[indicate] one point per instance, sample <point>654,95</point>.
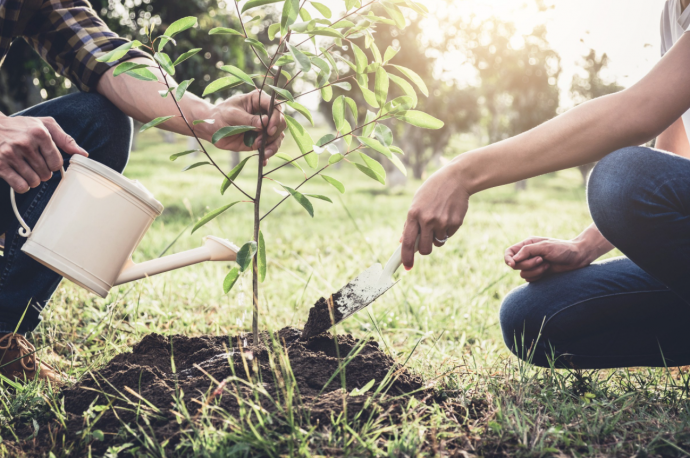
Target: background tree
<point>591,86</point>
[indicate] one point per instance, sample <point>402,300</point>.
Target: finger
<point>274,147</point>
<point>426,240</point>
<point>409,240</point>
<point>62,139</point>
<point>27,173</point>
<point>535,274</point>
<point>277,125</point>
<point>44,146</point>
<point>529,264</point>
<point>38,164</point>
<point>15,181</point>
<point>530,251</point>
<point>437,237</point>
<point>513,250</point>
<point>261,101</point>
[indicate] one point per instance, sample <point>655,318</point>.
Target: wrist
<point>592,244</point>
<point>199,109</point>
<point>463,167</point>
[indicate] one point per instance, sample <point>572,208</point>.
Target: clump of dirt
<point>158,367</point>
<point>322,316</point>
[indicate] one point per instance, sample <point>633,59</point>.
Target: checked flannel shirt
<point>68,34</point>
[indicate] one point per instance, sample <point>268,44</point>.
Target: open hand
<point>29,150</point>
<point>240,110</point>
<point>537,257</point>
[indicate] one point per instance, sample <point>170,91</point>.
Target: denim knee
<point>112,131</point>
<point>617,188</point>
<point>520,329</point>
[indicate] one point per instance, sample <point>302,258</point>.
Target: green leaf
<point>325,32</point>
<point>245,255</point>
<point>390,53</point>
<point>335,158</point>
<point>261,260</point>
<point>347,128</point>
<point>415,78</point>
<point>119,52</point>
<point>284,60</point>
<point>204,121</point>
<point>361,60</point>
<point>375,167</point>
<point>273,31</point>
<point>289,16</point>
<point>323,9</point>
<point>127,66</point>
<point>395,14</point>
<point>300,57</point>
<point>183,153</point>
<point>406,88</point>
<point>335,183</point>
<point>221,83</point>
<point>339,112</point>
<point>98,435</point>
<point>349,4</point>
<point>375,145</point>
<point>143,74</point>
<point>254,3</point>
<point>301,109</point>
<point>258,46</point>
<point>182,88</point>
<point>231,279</point>
<point>228,131</point>
<point>369,124</point>
<point>165,93</point>
<point>381,86</point>
<point>398,163</point>
<point>155,122</point>
<point>224,31</point>
<point>320,197</point>
<point>284,93</point>
<point>420,119</point>
<point>238,73</point>
<point>186,56</point>
<point>345,86</point>
<point>164,60</point>
<point>353,108</point>
<point>327,93</point>
<point>369,96</point>
<point>212,215</point>
<point>299,197</point>
<point>370,173</point>
<point>325,72</point>
<point>384,135</point>
<point>195,165</point>
<point>180,25</point>
<point>287,158</point>
<point>303,140</point>
<point>397,150</point>
<point>234,173</point>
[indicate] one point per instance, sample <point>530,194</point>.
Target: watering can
<point>93,223</point>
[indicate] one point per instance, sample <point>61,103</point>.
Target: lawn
<point>440,321</point>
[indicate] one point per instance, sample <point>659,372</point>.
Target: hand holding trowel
<point>354,296</point>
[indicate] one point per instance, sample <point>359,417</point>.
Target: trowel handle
<point>395,262</point>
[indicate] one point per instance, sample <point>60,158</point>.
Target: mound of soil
<point>201,363</point>
<point>322,316</point>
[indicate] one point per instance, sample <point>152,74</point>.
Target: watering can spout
<point>214,249</point>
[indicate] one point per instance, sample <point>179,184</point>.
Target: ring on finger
<point>441,241</point>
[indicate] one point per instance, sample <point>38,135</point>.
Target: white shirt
<point>673,25</point>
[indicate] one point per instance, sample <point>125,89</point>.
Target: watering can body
<point>94,222</point>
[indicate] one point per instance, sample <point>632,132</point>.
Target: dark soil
<point>148,371</point>
<point>320,319</point>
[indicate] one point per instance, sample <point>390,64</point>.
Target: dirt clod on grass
<point>145,380</point>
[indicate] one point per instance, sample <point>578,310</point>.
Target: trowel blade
<point>360,292</point>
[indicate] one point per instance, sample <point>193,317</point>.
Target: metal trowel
<point>353,297</point>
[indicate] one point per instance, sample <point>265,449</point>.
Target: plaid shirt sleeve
<point>69,35</point>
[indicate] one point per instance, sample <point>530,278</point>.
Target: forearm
<point>588,132</point>
<point>593,243</point>
<point>141,100</point>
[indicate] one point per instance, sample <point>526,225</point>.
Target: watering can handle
<point>25,230</point>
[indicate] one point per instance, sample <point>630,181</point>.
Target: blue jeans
<point>630,311</point>
<point>106,133</point>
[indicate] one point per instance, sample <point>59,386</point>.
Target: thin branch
<point>256,53</point>
<point>319,88</point>
<point>327,143</point>
<point>201,145</point>
<point>307,179</point>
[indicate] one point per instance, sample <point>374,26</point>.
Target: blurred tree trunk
<point>234,159</point>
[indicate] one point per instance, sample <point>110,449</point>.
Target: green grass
<point>444,313</point>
